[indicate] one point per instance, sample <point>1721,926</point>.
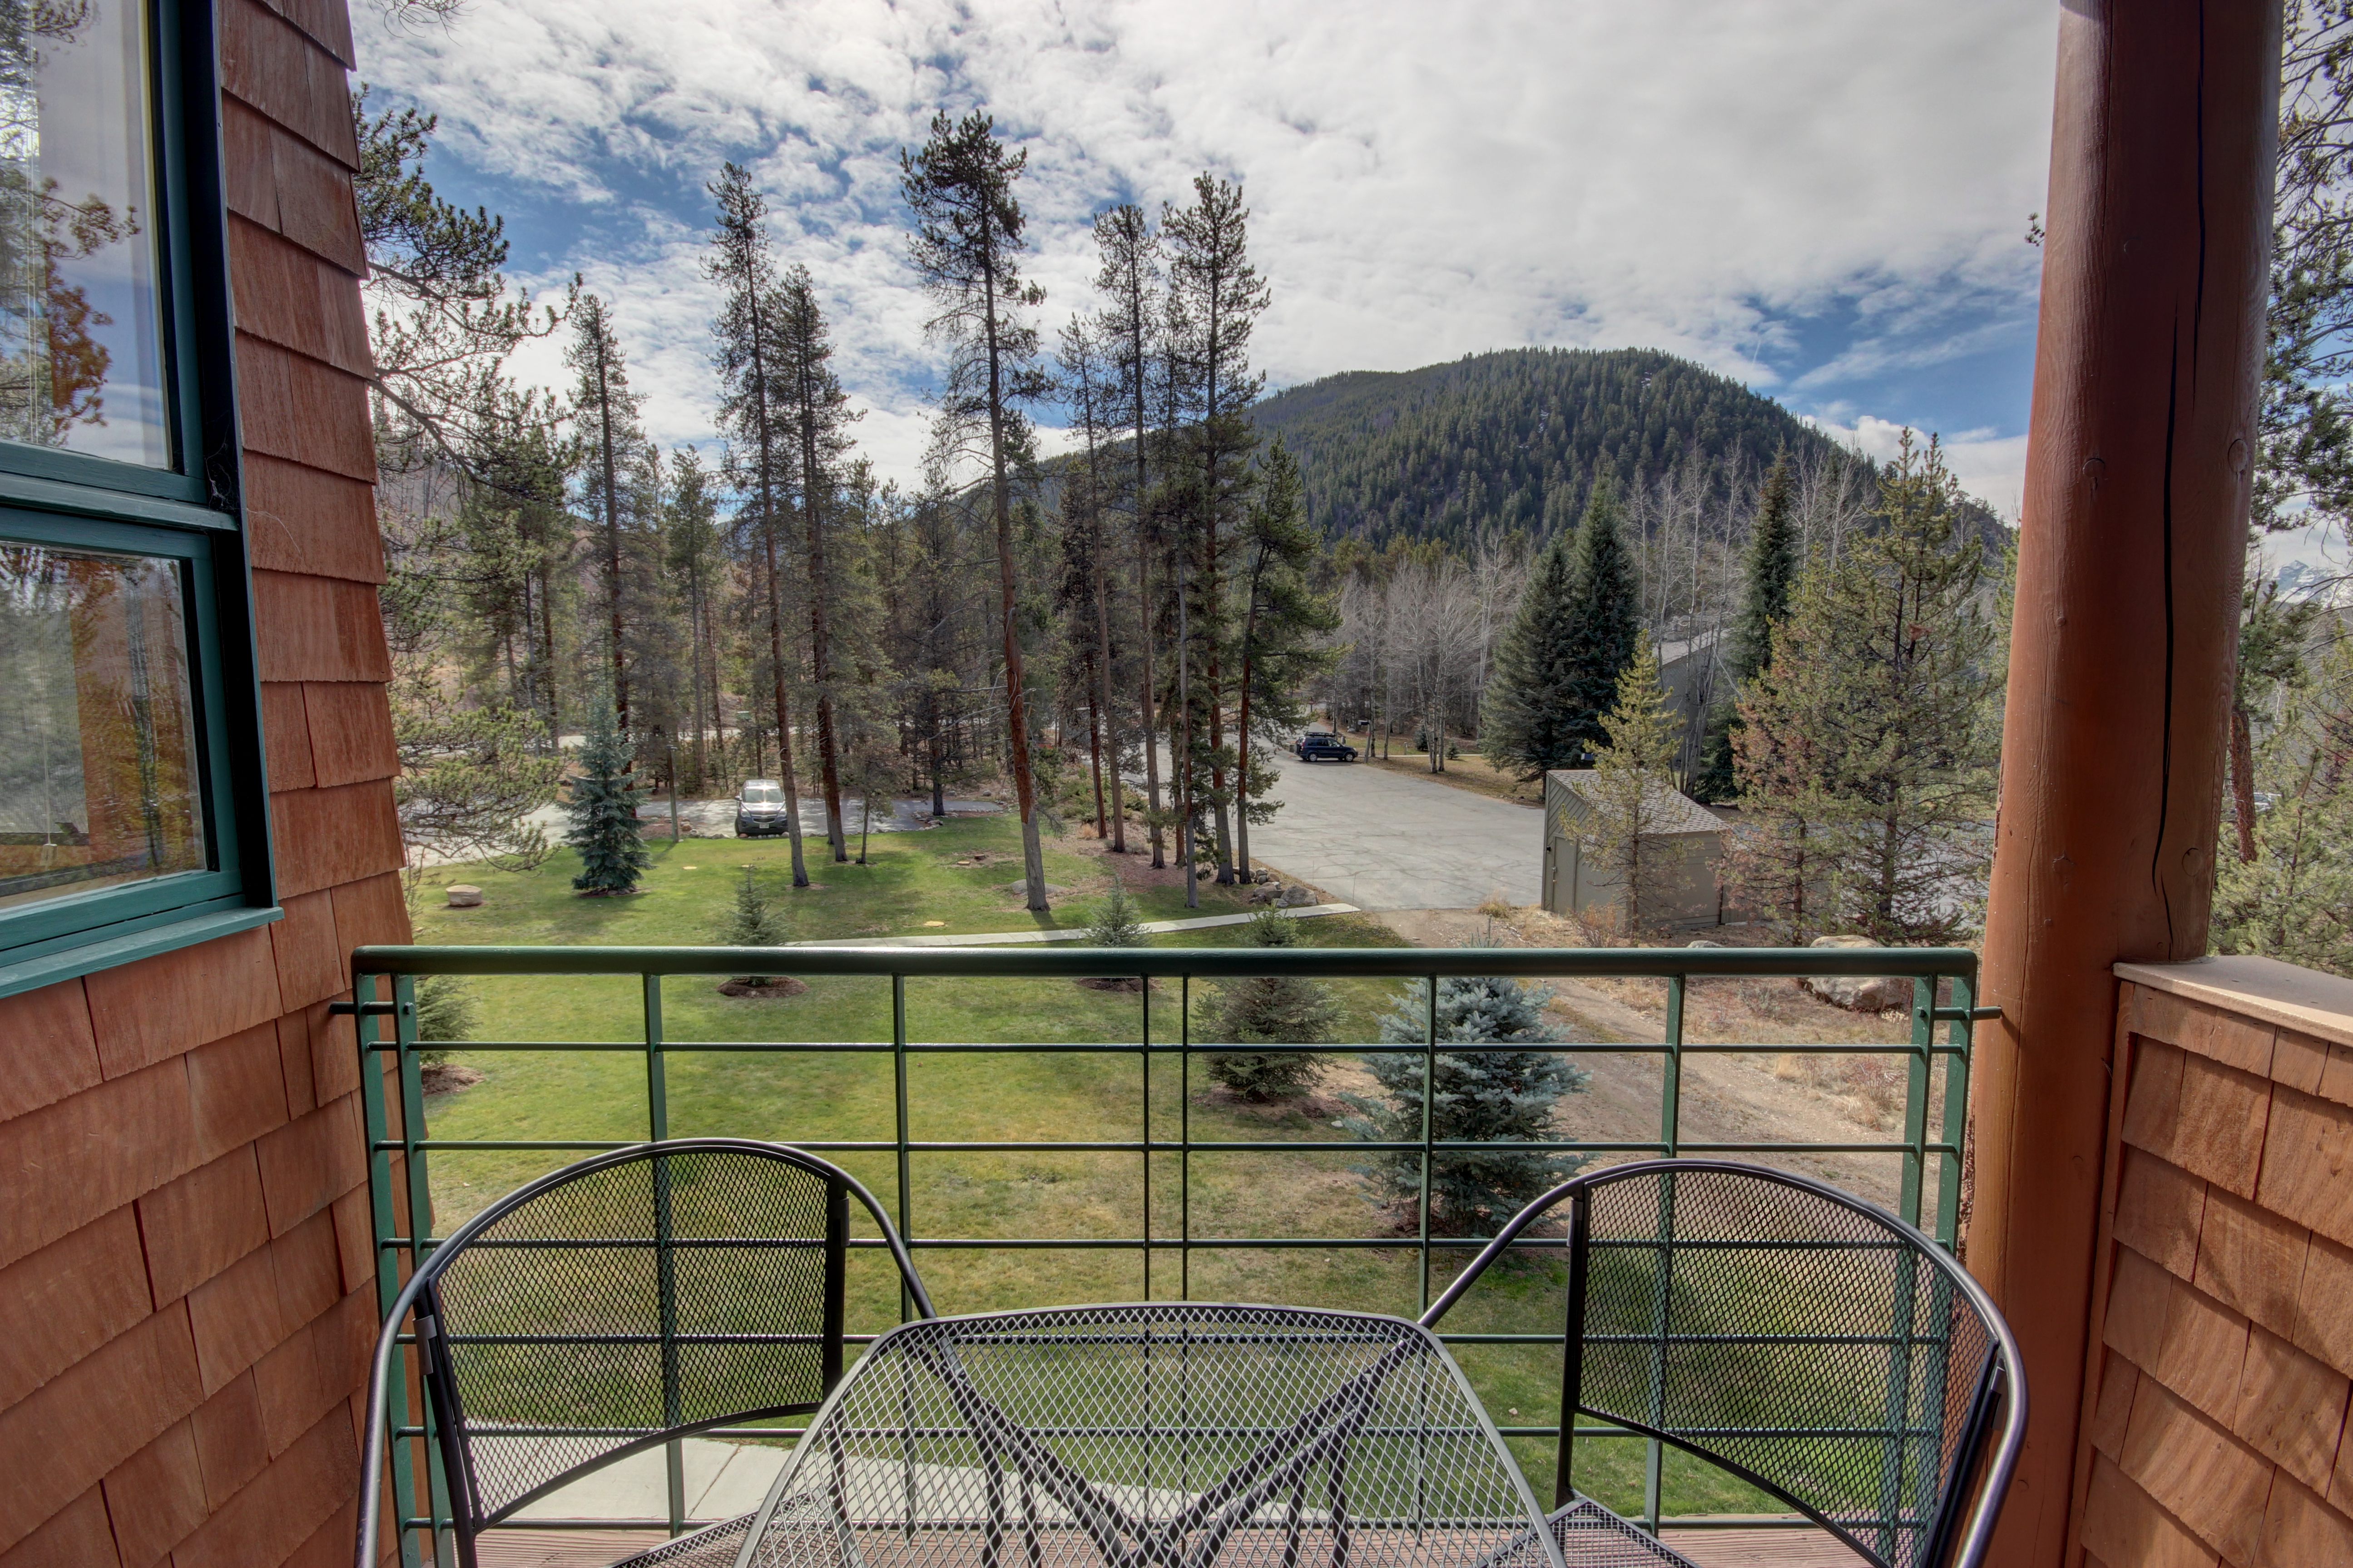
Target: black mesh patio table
<point>1157,1436</point>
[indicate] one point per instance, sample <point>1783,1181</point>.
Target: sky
<point>1826,200</point>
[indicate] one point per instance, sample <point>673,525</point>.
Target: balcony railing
<point>386,978</point>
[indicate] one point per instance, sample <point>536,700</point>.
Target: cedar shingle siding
<point>2224,1335</point>
<point>185,1303</point>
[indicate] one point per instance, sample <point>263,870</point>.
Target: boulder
<point>1857,993</point>
<point>1266,893</point>
<point>464,896</point>
<point>1295,898</point>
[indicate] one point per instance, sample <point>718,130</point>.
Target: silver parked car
<point>760,810</point>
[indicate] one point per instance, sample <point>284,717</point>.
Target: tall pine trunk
<point>1094,756</point>
<point>1101,693</point>
<point>2242,780</point>
<point>1151,730</point>
<point>1016,707</point>
<point>1183,759</point>
<point>547,655</point>
<point>769,524</point>
<point>1242,753</point>
<point>931,743</point>
<point>821,652</point>
<point>612,549</point>
<point>694,631</point>
<point>785,776</point>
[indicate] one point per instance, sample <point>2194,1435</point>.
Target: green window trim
<point>110,946</point>
<point>191,514</point>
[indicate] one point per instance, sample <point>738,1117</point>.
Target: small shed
<point>1690,843</point>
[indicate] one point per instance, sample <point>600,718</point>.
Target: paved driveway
<point>1388,841</point>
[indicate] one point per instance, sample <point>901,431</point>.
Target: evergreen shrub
<point>1115,924</point>
<point>1504,1097</point>
<point>604,811</point>
<point>753,923</point>
<point>1270,1009</point>
<point>446,1010</point>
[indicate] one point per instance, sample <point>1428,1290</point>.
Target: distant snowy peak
<point>2297,581</point>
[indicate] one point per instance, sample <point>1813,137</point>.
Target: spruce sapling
<point>1504,1096</point>
<point>1270,1009</point>
<point>603,806</point>
<point>446,1011</point>
<point>1115,924</point>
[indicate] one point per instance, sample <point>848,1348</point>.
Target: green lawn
<point>957,873</point>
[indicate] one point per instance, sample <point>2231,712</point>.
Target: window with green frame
<point>132,800</point>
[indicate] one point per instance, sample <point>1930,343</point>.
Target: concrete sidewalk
<point>723,1480</point>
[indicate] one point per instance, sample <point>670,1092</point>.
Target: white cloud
<point>1989,467</point>
<point>1426,180</point>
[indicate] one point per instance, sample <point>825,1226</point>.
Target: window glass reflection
<point>81,361</point>
<point>98,755</point>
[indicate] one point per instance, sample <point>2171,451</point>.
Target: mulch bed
<point>773,985</point>
<point>447,1078</point>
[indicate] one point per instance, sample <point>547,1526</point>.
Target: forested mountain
<point>1513,438</point>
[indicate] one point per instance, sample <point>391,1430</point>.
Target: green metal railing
<point>384,979</point>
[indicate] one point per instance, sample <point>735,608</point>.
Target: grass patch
<point>957,872</point>
<point>1470,771</point>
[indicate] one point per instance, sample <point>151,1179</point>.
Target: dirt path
<point>1759,1098</point>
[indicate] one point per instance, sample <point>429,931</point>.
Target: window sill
<point>72,963</point>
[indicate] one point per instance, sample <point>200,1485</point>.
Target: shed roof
<point>1669,807</point>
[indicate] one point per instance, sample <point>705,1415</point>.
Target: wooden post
<point>2133,544</point>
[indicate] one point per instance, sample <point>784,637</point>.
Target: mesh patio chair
<point>611,1305</point>
<point>1816,1347</point>
<point>1160,1435</point>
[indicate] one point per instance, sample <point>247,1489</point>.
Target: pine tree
<point>1219,296</point>
<point>1286,627</point>
<point>819,413</point>
<point>2294,901</point>
<point>1115,924</point>
<point>1270,1009</point>
<point>694,562</point>
<point>611,439</point>
<point>2304,468</point>
<point>1870,728</point>
<point>1086,386</point>
<point>753,921</point>
<point>1129,282</point>
<point>517,537</point>
<point>749,332</point>
<point>1770,570</point>
<point>2272,632</point>
<point>1524,724</point>
<point>443,322</point>
<point>1632,793</point>
<point>446,1012</point>
<point>1506,1097</point>
<point>1773,866</point>
<point>1557,670</point>
<point>604,811</point>
<point>968,247</point>
<point>1606,615</point>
